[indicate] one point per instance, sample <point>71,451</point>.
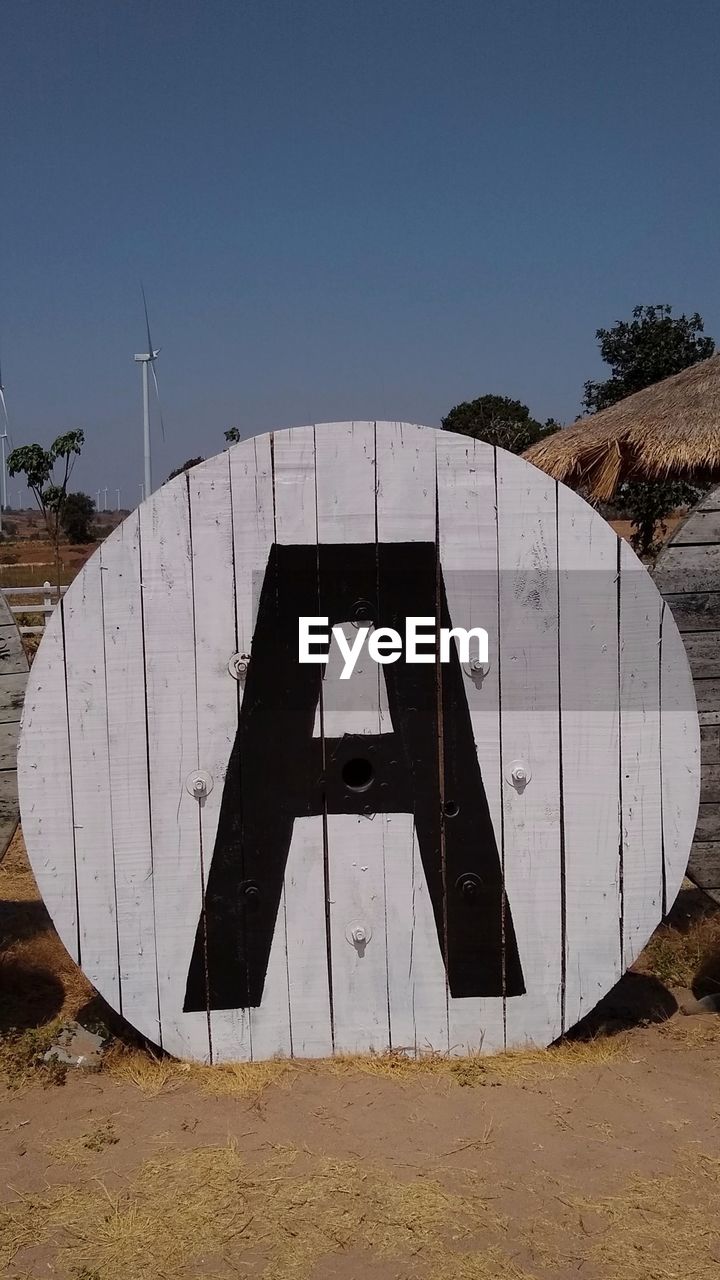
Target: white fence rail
<point>49,595</point>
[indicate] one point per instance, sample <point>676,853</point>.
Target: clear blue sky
<point>340,209</point>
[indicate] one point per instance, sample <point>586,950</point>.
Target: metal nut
<point>358,934</point>
<point>199,783</point>
<point>238,665</point>
<point>518,773</point>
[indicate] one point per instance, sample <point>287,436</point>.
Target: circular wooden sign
<point>13,678</point>
<point>687,575</point>
<point>252,855</point>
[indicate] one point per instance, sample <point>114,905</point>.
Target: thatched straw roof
<point>671,428</point>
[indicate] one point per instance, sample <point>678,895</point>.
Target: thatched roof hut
<point>671,428</point>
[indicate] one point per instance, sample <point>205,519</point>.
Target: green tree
<point>650,347</point>
<point>647,504</point>
<point>191,462</point>
<point>76,518</point>
<point>498,420</point>
<point>233,435</point>
<point>38,465</point>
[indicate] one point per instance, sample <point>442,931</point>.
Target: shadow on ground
<point>637,1000</point>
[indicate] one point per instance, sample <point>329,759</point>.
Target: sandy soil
<point>599,1158</point>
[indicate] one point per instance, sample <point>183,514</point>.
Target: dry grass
<point>154,1075</point>
<point>659,1228</point>
<point>208,1207</point>
<point>78,1150</point>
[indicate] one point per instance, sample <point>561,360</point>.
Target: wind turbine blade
<point>157,394</point>
<point>2,401</point>
<point>151,350</point>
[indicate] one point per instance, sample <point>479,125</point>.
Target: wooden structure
<point>249,856</point>
<point>688,574</point>
<point>13,678</point>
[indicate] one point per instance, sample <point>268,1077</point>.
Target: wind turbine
<point>148,358</point>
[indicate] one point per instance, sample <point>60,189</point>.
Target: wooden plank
<point>345,489</point>
<point>12,654</point>
<point>703,651</point>
<point>8,806</point>
<point>642,859</point>
<point>701,527</point>
<point>305,894</point>
<point>711,501</point>
<point>12,696</point>
<point>8,743</point>
<point>693,610</point>
<point>709,782</point>
<point>685,569</point>
<point>13,681</point>
<point>406,481</point>
<point>529,697</point>
<point>172,755</point>
<point>589,708</point>
<point>266,1030</point>
<point>704,864</point>
<point>707,695</point>
<point>708,822</point>
<point>467,527</point>
<point>680,752</point>
<point>710,744</point>
<point>44,786</point>
<point>213,586</point>
<point>121,574</point>
<point>88,731</point>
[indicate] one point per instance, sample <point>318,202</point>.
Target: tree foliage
<point>650,347</point>
<point>191,462</point>
<point>76,517</point>
<point>498,420</point>
<point>232,435</point>
<point>647,504</point>
<point>38,465</point>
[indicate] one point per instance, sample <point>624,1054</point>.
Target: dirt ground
<point>598,1158</point>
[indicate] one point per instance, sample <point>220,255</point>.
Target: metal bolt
<point>238,665</point>
<point>469,885</point>
<point>358,935</point>
<point>518,773</point>
<point>199,783</point>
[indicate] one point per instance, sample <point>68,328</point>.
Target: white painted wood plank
<point>680,754</point>
<point>640,607</point>
<point>172,744</point>
<point>88,731</point>
<point>405,482</point>
<point>211,527</point>
<point>406,512</point>
<point>467,522</point>
<point>345,486</point>
<point>253,506</point>
<point>44,785</point>
<point>120,568</point>
<point>305,893</point>
<point>528,604</point>
<point>589,698</point>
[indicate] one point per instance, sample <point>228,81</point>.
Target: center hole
<point>357,774</point>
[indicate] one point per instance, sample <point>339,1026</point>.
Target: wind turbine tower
<point>147,359</point>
